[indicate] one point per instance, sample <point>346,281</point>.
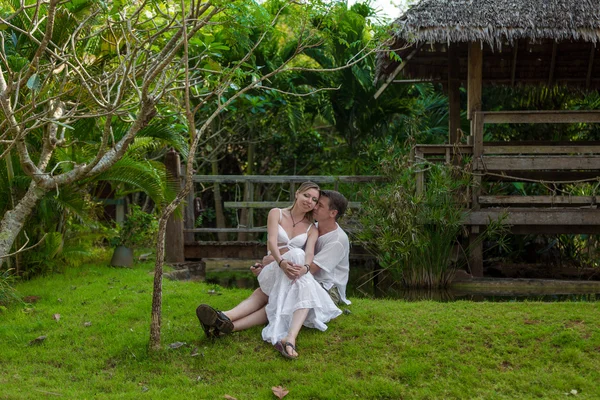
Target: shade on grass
<point>384,349</point>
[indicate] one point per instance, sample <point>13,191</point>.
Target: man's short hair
<point>337,202</point>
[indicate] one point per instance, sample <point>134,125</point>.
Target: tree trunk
<point>218,203</point>
<point>14,220</point>
<point>156,314</point>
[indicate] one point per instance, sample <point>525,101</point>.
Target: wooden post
<point>453,95</point>
<point>474,79</point>
<point>420,174</point>
<point>474,83</point>
<point>475,252</point>
<point>174,231</point>
<point>190,216</point>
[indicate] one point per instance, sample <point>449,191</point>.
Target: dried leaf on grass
<point>177,345</point>
<point>31,299</point>
<point>37,340</point>
<point>56,317</point>
<point>280,392</point>
<point>228,397</point>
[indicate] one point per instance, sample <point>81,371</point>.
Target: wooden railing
<point>252,180</point>
<point>541,161</point>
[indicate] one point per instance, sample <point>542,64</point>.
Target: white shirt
<point>332,255</point>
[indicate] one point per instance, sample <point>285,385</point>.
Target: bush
<point>138,230</point>
<point>8,295</point>
<point>413,236</point>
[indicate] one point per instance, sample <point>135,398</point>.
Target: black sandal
<point>282,348</point>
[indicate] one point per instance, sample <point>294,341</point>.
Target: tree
<point>235,80</point>
<point>67,62</point>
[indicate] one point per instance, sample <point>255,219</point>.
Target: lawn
<point>96,323</point>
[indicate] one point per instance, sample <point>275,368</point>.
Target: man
<point>330,268</point>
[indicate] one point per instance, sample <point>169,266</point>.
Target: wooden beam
<point>541,149</point>
<point>453,94</point>
<point>419,81</point>
<point>552,63</point>
<point>513,70</point>
<point>536,117</point>
<point>440,149</point>
<point>272,204</point>
<point>535,216</point>
<point>537,163</point>
<point>226,230</point>
<point>538,200</point>
<point>397,71</point>
<point>552,176</point>
<point>588,79</point>
<point>475,66</point>
<point>287,178</point>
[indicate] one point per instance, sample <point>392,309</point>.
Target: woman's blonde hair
<point>303,188</point>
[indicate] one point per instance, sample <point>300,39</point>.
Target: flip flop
<point>211,318</point>
<point>282,348</point>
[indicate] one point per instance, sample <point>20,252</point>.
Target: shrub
<point>8,294</point>
<point>138,230</point>
<point>413,236</point>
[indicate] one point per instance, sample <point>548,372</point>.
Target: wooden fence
<point>181,243</point>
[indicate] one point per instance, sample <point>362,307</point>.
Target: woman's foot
<point>287,349</point>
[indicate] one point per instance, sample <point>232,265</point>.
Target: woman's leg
<point>252,304</point>
<point>256,318</point>
<point>298,319</point>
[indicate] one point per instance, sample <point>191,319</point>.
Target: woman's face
<point>308,199</point>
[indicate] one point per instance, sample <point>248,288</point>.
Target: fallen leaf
<point>87,323</point>
<point>279,391</point>
<point>213,292</point>
<point>228,397</point>
<point>31,299</point>
<point>59,300</point>
<point>37,340</point>
<point>56,317</point>
<point>177,345</point>
<point>144,389</point>
<point>194,352</point>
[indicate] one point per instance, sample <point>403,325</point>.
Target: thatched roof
<point>496,23</point>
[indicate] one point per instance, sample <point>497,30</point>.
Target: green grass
<point>383,350</point>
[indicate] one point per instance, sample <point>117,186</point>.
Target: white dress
<point>287,296</point>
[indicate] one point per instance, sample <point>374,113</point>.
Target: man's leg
<point>250,311</point>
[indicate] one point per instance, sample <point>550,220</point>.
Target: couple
<point>304,277</point>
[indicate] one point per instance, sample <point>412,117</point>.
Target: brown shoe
<point>213,322</point>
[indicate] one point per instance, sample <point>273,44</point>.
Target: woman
<point>295,297</point>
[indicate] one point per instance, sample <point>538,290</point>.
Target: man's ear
<point>335,213</point>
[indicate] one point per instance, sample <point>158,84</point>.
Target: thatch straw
<point>498,21</point>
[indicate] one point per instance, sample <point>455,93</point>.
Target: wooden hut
<point>507,42</point>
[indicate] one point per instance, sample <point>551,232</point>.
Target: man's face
<point>321,210</point>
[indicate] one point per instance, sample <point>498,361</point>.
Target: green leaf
<point>34,83</point>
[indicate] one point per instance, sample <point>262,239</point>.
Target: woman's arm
<point>272,233</point>
<point>309,249</point>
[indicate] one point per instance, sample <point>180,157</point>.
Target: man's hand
<point>256,268</point>
<point>302,269</point>
<point>290,270</point>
